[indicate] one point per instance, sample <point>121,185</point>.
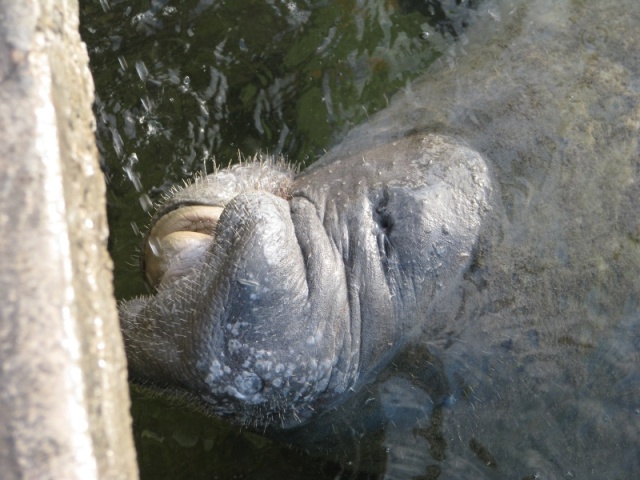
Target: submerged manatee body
<point>452,291</point>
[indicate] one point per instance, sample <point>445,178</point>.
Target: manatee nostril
<point>382,216</point>
<point>385,223</point>
<point>248,383</point>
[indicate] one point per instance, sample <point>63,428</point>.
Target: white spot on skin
<point>272,252</point>
<point>264,365</point>
<point>234,328</point>
<point>248,383</point>
<point>234,345</point>
<point>215,372</point>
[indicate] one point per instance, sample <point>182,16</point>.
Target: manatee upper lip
<point>178,240</point>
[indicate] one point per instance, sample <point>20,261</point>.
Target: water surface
<point>183,84</point>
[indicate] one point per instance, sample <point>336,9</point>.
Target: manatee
<point>452,291</point>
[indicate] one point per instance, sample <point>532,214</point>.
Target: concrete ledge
<point>64,398</point>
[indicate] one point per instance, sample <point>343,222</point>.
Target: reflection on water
<point>534,371</point>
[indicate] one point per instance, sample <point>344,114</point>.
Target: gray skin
<point>506,347</point>
<point>276,292</point>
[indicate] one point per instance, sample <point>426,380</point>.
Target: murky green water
<point>183,84</point>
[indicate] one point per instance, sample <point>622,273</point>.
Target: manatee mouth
<point>178,241</point>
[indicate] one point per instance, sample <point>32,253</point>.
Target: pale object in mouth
<point>178,241</point>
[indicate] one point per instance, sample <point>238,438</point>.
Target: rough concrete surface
<point>63,397</point>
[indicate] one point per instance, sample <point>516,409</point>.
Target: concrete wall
<point>64,405</point>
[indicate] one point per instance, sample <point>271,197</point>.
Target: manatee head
<point>276,292</point>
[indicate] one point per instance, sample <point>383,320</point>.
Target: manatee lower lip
<point>178,241</point>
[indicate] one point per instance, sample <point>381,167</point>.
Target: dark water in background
<point>181,83</point>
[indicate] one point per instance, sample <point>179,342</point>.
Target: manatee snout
<point>277,292</point>
<point>184,227</point>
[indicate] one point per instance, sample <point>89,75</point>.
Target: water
<point>181,84</point>
<point>533,371</point>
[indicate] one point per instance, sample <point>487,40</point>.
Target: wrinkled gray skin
<point>460,276</point>
<point>298,285</point>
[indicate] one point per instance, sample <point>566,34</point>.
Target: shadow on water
<point>183,84</point>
